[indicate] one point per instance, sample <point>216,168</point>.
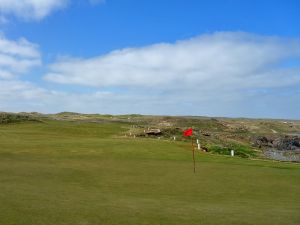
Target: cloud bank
<point>216,61</point>
<point>220,74</point>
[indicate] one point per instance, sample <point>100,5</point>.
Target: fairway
<point>67,173</point>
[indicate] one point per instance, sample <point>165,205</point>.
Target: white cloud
<point>219,59</point>
<point>22,47</point>
<point>17,57</point>
<point>16,96</point>
<point>31,9</point>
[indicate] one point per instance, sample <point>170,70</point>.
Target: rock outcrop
<point>279,143</point>
<point>285,148</point>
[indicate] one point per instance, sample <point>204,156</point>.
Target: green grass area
<point>65,173</point>
<point>243,151</point>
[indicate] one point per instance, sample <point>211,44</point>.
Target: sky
<point>226,58</point>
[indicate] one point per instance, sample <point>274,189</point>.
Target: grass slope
<point>67,173</point>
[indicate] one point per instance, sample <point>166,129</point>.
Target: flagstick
<point>193,155</point>
<point>189,133</point>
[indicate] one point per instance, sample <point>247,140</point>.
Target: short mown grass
<point>66,173</point>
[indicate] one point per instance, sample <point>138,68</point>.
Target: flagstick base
<point>193,156</point>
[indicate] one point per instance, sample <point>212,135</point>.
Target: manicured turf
<point>67,173</point>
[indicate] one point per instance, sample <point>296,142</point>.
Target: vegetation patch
<point>15,118</point>
<point>239,150</point>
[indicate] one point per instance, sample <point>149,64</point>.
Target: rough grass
<point>85,174</point>
<point>240,150</point>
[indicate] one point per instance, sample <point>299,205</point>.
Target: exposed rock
<point>285,148</point>
<point>153,131</point>
<point>205,133</point>
<point>278,143</point>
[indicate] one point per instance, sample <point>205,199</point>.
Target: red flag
<point>188,132</point>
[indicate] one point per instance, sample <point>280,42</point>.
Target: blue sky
<point>179,57</point>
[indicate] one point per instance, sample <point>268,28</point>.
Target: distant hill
<point>266,138</point>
